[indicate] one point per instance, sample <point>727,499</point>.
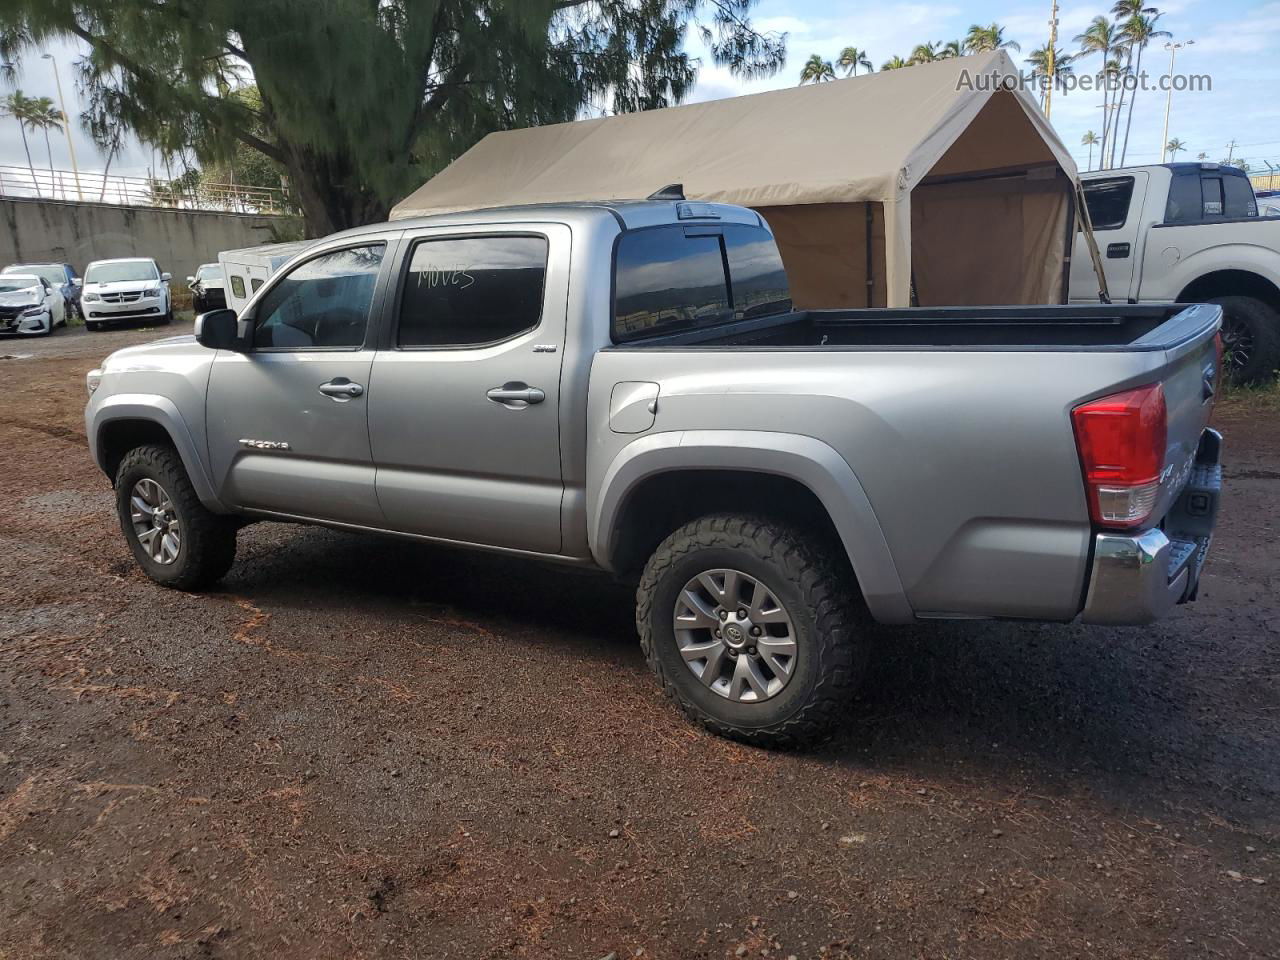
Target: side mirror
<point>220,330</point>
<point>166,277</point>
<point>77,282</point>
<point>190,280</point>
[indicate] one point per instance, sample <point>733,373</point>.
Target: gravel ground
<point>358,747</point>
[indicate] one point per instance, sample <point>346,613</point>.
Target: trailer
<point>248,269</point>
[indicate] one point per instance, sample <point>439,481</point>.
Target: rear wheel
<point>1250,339</point>
<point>174,538</point>
<point>753,629</point>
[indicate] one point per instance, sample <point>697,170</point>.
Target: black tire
<point>1250,339</point>
<point>814,584</point>
<point>207,545</point>
<point>167,318</point>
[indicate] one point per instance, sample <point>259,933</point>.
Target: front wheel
<point>1250,339</point>
<point>176,540</point>
<point>753,628</point>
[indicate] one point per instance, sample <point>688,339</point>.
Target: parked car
<point>29,305</point>
<point>130,288</point>
<point>61,276</point>
<point>207,289</point>
<point>626,386</point>
<point>1189,233</point>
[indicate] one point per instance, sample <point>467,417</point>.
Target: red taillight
<point>1121,439</point>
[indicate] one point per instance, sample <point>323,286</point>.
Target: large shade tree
<point>360,100</point>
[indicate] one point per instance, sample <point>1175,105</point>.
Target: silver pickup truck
<point>626,386</point>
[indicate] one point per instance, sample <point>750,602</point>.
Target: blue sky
<point>1235,43</point>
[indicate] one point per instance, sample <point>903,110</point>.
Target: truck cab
<point>1189,233</point>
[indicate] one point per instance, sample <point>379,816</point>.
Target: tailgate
<point>1191,377</point>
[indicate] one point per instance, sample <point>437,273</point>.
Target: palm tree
<point>43,116</point>
<point>981,39</point>
<point>923,53</point>
<point>894,63</point>
<point>1174,146</point>
<point>816,70</point>
<point>1089,140</point>
<point>1039,61</point>
<point>1138,31</point>
<point>1100,37</point>
<point>851,58</point>
<point>951,49</point>
<point>1202,156</point>
<point>20,107</point>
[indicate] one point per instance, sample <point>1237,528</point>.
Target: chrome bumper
<point>1138,578</point>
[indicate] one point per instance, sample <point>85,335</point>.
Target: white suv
<point>125,289</point>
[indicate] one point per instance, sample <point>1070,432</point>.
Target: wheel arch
<point>657,483</point>
<point>124,422</point>
<point>1231,282</point>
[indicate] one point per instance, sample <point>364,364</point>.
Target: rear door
<point>1115,207</point>
<point>288,421</point>
<point>464,407</point>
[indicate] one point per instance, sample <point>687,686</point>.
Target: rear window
<point>1108,202</point>
<point>673,278</point>
<point>1212,195</point>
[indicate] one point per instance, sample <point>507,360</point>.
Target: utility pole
<point>66,123</point>
<point>1173,49</point>
<point>1231,150</point>
<point>1049,64</point>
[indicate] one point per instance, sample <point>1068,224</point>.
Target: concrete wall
<point>40,231</point>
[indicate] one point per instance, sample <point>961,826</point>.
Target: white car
<point>125,289</point>
<point>28,305</point>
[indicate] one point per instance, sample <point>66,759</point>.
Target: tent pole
<point>870,256</point>
<point>1068,242</point>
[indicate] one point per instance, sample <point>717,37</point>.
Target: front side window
<point>322,303</point>
<point>470,291</point>
<point>1108,202</point>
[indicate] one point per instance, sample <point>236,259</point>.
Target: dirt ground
<point>364,748</point>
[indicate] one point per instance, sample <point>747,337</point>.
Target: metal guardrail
<point>48,184</point>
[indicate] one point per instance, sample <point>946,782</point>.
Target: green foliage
<point>359,102</point>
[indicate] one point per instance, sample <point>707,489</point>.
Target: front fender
<point>163,412</point>
<point>806,460</point>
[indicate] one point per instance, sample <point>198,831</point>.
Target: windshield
<point>51,272</point>
<point>13,285</point>
<point>123,270</point>
<point>209,273</point>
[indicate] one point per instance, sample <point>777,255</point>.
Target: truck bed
<point>1074,327</point>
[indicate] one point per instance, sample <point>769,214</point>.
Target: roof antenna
<point>672,191</point>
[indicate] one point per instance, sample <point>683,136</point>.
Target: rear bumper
<point>1138,578</point>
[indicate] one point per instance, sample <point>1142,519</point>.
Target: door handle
<point>1117,251</point>
<point>341,389</point>
<point>516,395</point>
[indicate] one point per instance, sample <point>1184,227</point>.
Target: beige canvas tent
<point>935,179</point>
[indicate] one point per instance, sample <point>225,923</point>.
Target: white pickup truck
<point>1189,233</point>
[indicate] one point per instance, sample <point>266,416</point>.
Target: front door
<point>288,421</point>
<point>1115,207</point>
<point>464,409</point>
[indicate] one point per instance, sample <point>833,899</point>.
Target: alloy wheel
<point>735,636</point>
<point>155,521</point>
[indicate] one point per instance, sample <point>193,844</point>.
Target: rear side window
<point>1237,197</point>
<point>237,285</point>
<point>1108,202</point>
<point>1184,204</point>
<point>676,278</point>
<point>255,284</point>
<point>470,291</point>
